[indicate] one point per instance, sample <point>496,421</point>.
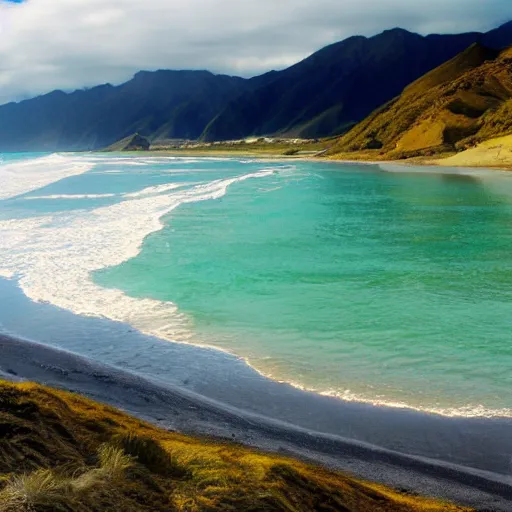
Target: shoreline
<point>179,409</point>
<point>10,287</point>
<point>444,161</point>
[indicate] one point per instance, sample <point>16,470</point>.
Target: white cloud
<point>66,44</point>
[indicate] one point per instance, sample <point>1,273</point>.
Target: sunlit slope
<point>61,452</point>
<point>459,104</point>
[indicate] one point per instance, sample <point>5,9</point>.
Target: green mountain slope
<point>461,103</point>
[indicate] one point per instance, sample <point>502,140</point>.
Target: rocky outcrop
<point>134,142</point>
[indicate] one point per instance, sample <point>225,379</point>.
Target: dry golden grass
<point>45,489</point>
<point>31,491</point>
<point>62,452</point>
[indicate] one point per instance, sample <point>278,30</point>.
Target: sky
<point>69,44</point>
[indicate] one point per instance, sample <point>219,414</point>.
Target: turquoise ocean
<point>383,284</point>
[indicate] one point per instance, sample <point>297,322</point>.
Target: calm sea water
<point>387,287</point>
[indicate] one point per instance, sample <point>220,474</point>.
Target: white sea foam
<point>53,256</point>
<point>466,411</point>
<point>24,176</point>
<point>70,196</point>
<point>347,395</point>
<point>158,189</point>
<point>125,162</point>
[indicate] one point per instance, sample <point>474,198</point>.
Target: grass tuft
<point>113,462</point>
<point>26,493</point>
<point>151,454</point>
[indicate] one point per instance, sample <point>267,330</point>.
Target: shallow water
<point>388,287</point>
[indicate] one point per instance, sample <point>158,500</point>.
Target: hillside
<point>461,103</point>
<point>62,452</point>
<point>340,85</point>
<point>160,104</point>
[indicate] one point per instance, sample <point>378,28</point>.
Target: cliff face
<point>461,103</point>
<point>63,453</point>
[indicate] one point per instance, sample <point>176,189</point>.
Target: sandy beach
<point>483,444</point>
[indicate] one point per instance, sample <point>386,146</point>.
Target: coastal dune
<point>178,409</point>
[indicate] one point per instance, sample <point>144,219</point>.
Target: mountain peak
<point>170,72</point>
<point>471,58</point>
<point>323,95</point>
<point>397,33</point>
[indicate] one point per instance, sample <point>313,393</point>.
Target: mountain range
<point>324,95</point>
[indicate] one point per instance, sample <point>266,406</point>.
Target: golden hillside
<point>61,452</point>
<point>454,107</point>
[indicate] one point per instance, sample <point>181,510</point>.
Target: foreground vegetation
<point>62,452</point>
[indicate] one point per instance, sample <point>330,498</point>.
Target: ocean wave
<point>158,189</point>
<point>53,257</point>
<point>17,178</point>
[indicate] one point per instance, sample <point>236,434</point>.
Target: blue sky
<point>49,44</point>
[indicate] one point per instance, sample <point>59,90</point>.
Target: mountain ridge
<point>323,95</point>
<point>345,89</point>
<point>164,103</point>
